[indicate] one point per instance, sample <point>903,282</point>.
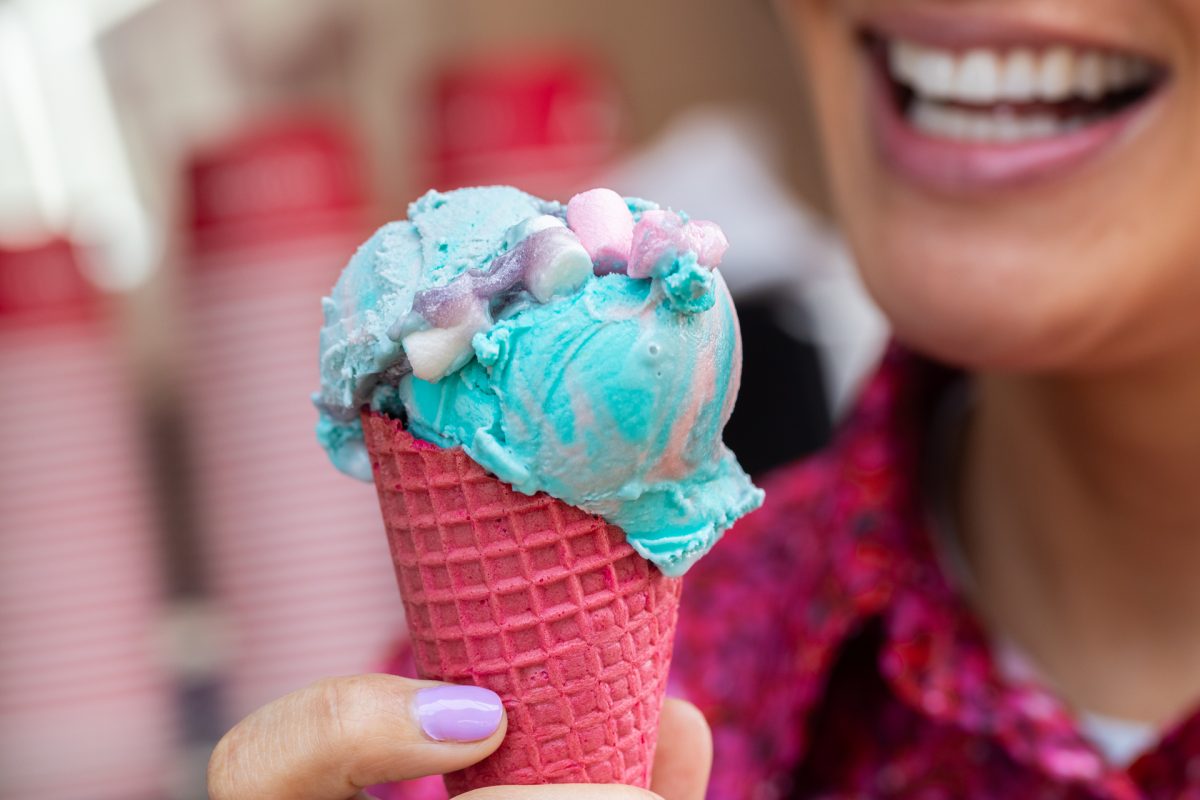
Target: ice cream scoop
<point>590,352</point>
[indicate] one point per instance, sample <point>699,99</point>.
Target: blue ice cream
<point>588,351</point>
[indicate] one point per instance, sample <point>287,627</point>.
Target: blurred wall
<point>717,52</point>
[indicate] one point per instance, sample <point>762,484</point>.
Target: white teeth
<point>982,76</point>
<point>976,96</point>
<point>981,128</point>
<point>1008,126</point>
<point>902,61</point>
<point>978,78</point>
<point>931,72</point>
<point>1089,76</point>
<point>1019,83</point>
<point>1118,71</point>
<point>1041,126</point>
<point>943,121</point>
<point>1056,76</point>
<point>935,74</point>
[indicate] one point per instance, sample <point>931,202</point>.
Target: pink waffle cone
<point>542,603</point>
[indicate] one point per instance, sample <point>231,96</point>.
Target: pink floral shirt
<point>834,659</point>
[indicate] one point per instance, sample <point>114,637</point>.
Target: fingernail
<point>458,713</point>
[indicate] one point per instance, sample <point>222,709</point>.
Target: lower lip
<point>961,167</point>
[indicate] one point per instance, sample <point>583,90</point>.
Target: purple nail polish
<point>458,713</point>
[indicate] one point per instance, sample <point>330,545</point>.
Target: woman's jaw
<point>1020,179</point>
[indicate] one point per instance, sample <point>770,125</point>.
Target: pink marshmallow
<point>663,234</point>
<point>604,225</point>
<point>708,240</point>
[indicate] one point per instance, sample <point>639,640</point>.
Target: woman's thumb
<point>340,735</point>
<point>684,757</point>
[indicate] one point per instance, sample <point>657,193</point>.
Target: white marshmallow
<point>434,353</point>
<point>514,235</point>
<point>566,268</point>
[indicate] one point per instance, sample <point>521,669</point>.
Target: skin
<point>1073,300</point>
<point>332,739</point>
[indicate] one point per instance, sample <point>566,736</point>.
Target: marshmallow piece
<point>655,238</point>
<point>514,235</point>
<point>604,225</point>
<point>441,307</point>
<point>560,266</point>
<point>708,241</point>
<point>434,353</point>
<point>663,235</point>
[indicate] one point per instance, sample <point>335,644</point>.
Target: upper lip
<point>961,31</point>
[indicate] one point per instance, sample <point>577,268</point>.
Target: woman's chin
<point>1020,311</point>
<point>988,340</point>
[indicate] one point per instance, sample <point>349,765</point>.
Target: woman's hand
<point>337,736</point>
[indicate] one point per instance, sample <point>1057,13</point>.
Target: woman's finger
<point>337,736</point>
<point>684,757</point>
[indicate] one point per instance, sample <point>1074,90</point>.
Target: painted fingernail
<point>458,713</point>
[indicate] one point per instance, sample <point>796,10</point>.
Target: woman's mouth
<point>958,118</point>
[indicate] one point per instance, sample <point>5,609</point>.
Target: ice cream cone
<point>542,603</point>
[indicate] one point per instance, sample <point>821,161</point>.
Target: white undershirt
<point>1119,741</point>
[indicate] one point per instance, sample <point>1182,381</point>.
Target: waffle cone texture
<point>542,603</point>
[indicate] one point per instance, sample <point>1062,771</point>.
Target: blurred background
<point>180,182</point>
